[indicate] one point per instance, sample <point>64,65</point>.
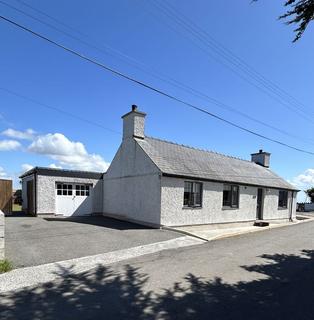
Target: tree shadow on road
<point>286,292</point>
<point>90,295</point>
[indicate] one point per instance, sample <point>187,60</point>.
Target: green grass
<point>16,207</point>
<point>5,266</point>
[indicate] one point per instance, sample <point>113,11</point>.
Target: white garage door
<point>74,199</point>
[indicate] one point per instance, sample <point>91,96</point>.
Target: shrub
<point>310,193</point>
<point>5,266</point>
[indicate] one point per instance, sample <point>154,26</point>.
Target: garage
<point>61,192</point>
<point>74,199</point>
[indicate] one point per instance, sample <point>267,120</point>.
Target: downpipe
<point>291,206</point>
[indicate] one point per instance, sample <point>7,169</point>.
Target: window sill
<point>230,208</point>
<point>192,208</point>
<point>282,208</point>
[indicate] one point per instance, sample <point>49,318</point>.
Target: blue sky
<point>140,30</point>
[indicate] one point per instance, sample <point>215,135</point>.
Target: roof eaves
<point>175,175</point>
<point>60,172</point>
<point>28,173</point>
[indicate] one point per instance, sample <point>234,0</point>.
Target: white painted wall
<point>132,185</point>
<point>173,213</point>
<point>46,194</point>
<point>271,210</point>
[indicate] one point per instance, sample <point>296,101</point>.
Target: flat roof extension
<point>63,173</point>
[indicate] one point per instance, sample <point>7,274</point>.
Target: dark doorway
<point>259,206</point>
<point>30,197</point>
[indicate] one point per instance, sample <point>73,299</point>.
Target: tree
<point>310,193</point>
<point>301,13</point>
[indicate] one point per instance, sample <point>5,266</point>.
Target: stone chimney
<point>133,124</point>
<point>262,158</point>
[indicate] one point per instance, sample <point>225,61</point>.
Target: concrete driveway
<point>32,241</point>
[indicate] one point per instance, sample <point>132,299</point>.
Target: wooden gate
<point>6,196</point>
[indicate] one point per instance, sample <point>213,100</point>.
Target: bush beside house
<point>310,193</point>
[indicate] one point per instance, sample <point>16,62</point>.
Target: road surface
<point>265,275</point>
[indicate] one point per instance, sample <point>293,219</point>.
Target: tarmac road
<point>263,275</point>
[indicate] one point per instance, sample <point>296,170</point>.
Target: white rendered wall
<point>173,213</point>
<point>133,125</point>
<point>271,210</point>
<point>132,186</point>
<point>46,193</point>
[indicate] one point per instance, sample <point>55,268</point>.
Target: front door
<point>259,205</point>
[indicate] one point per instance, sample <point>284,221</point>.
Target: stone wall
<point>1,235</point>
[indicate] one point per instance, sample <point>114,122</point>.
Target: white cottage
<point>161,183</point>
<point>157,182</point>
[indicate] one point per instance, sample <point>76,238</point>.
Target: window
<point>64,189</point>
<point>230,196</point>
<point>192,194</point>
<point>82,190</point>
<point>283,199</point>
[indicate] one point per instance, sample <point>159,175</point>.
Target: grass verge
<point>16,207</point>
<point>5,265</point>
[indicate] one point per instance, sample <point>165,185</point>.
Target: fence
<point>305,207</point>
<point>6,196</point>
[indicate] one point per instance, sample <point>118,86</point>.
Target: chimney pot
<point>134,107</point>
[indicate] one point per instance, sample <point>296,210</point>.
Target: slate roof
<point>179,160</point>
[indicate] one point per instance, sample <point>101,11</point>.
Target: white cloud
<point>303,181</point>
<point>57,144</point>
<point>3,174</point>
<point>28,134</point>
<point>26,167</point>
<point>9,145</point>
<point>68,153</point>
<point>54,166</point>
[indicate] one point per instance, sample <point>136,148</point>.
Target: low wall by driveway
<point>1,235</point>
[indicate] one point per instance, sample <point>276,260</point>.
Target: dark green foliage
<point>5,266</point>
<point>301,12</point>
<point>310,193</point>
